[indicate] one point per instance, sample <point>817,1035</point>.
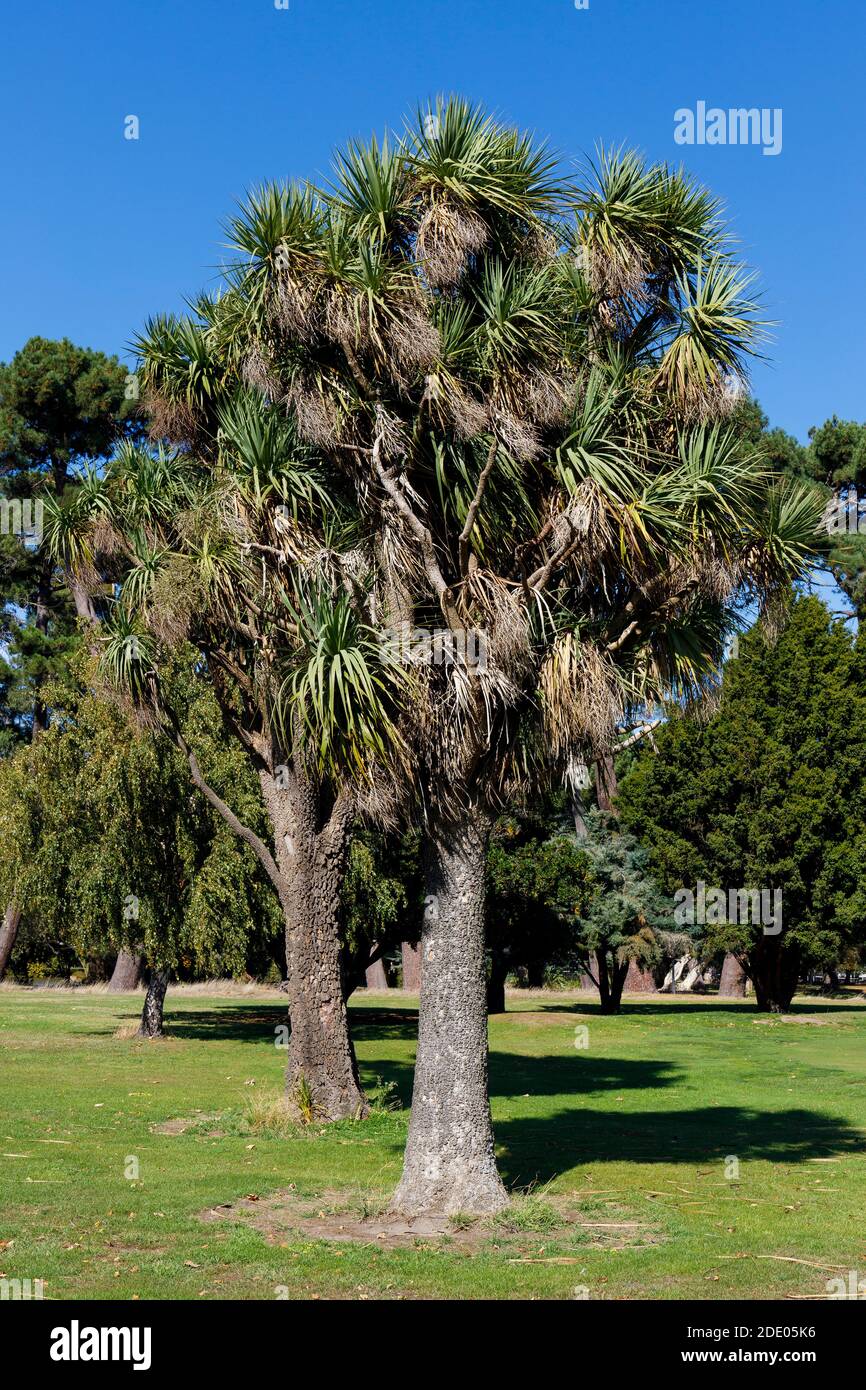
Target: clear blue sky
<point>97,232</point>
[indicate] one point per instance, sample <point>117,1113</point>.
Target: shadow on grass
<point>244,1025</point>
<point>512,1075</point>
<point>369,1023</point>
<point>538,1149</point>
<point>700,1004</point>
<point>256,1023</point>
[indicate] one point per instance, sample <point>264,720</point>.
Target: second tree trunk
<point>151,1014</point>
<point>321,1065</point>
<point>128,970</point>
<point>8,936</point>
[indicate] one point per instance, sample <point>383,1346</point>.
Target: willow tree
<point>523,387</point>
<point>226,537</point>
<point>106,844</point>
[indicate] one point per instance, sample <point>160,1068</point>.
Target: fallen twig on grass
<point>788,1259</point>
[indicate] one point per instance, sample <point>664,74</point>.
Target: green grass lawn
<point>621,1146</point>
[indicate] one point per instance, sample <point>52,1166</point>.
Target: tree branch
<point>243,832</point>
<point>428,552</point>
<point>474,506</point>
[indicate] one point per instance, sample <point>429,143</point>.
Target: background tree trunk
<point>638,981</point>
<point>411,966</point>
<point>8,936</point>
<point>127,973</point>
<point>496,982</point>
<point>601,974</point>
<point>586,980</point>
<point>611,976</point>
<point>151,1014</point>
<point>606,785</point>
<point>732,983</point>
<point>375,975</point>
<point>774,972</point>
<point>450,1165</point>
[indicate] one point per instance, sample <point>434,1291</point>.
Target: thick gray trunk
<point>732,984</point>
<point>151,1014</point>
<point>8,936</point>
<point>311,858</point>
<point>411,966</point>
<point>450,1165</point>
<point>127,973</point>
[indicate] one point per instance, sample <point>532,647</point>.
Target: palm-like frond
<point>344,686</point>
<point>372,189</point>
<point>520,320</point>
<point>596,450</point>
<point>67,528</point>
<point>150,486</point>
<point>786,534</point>
<point>270,462</point>
<point>459,152</point>
<point>276,219</point>
<point>126,658</point>
<point>641,225</point>
<point>181,371</point>
<point>718,483</point>
<point>718,327</point>
<point>148,560</point>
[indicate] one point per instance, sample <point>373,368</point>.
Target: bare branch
<point>391,485</point>
<point>243,832</point>
<point>474,506</point>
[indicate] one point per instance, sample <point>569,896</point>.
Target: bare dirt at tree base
<point>284,1216</point>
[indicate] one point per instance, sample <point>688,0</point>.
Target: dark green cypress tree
<point>768,794</point>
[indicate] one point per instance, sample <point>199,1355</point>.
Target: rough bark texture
<point>639,981</point>
<point>311,831</point>
<point>151,1014</point>
<point>450,1165</point>
<point>411,966</point>
<point>375,976</point>
<point>127,973</point>
<point>8,936</point>
<point>774,971</point>
<point>732,984</point>
<point>310,849</point>
<point>578,814</point>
